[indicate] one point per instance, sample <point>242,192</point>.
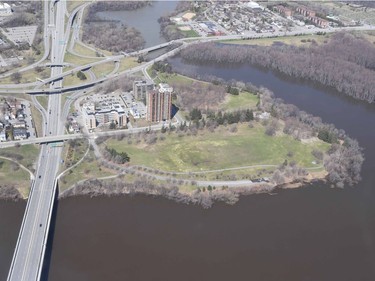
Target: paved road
<point>46,37</point>
<point>29,252</point>
<point>30,249</point>
<point>187,41</point>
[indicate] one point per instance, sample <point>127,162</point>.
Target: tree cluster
<point>231,117</point>
<point>343,161</point>
<point>145,185</point>
<point>81,75</point>
<point>162,66</point>
<point>346,62</point>
<point>29,13</point>
<point>198,95</point>
<point>124,83</point>
<point>9,193</point>
<point>113,155</point>
<point>112,37</point>
<point>101,6</point>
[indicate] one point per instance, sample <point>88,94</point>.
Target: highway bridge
<point>28,258</point>
<point>64,137</point>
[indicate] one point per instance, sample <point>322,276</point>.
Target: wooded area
<point>111,35</point>
<point>346,62</point>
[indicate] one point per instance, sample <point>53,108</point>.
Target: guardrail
<point>21,230</point>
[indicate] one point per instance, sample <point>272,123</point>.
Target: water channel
<point>145,20</point>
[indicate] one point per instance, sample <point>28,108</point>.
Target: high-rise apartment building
<point>159,103</point>
<point>141,87</point>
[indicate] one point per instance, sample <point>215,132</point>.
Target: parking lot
<point>21,34</point>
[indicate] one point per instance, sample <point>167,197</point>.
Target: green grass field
<point>219,150</point>
<point>38,120</point>
<point>289,40</point>
<point>175,79</point>
<point>71,5</point>
<point>76,60</point>
<point>88,169</point>
<point>243,101</point>
<point>127,63</point>
<point>82,50</point>
<point>103,69</point>
<point>11,175</point>
<point>43,100</point>
<point>70,80</point>
<point>27,154</point>
<point>190,33</point>
<point>28,76</point>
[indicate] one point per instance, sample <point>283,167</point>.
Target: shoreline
<point>206,198</point>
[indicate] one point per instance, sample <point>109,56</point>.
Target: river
<point>310,233</point>
<point>148,26</point>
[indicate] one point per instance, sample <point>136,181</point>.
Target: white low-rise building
<point>3,136</point>
<point>5,9</point>
<point>163,87</point>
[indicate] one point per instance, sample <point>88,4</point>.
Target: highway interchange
<point>29,253</point>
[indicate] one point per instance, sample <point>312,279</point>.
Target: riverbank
<point>204,197</point>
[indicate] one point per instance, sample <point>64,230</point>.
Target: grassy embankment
<point>244,100</point>
<point>220,150</point>
<point>127,62</point>
<point>43,100</point>
<point>84,51</point>
<point>301,40</point>
<point>38,120</point>
<point>11,174</point>
<point>190,33</point>
<point>72,79</point>
<point>89,168</point>
<point>71,5</point>
<point>103,69</point>
<point>28,76</point>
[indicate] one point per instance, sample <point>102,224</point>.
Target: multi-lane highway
<point>28,257</point>
<point>185,41</point>
<point>29,253</point>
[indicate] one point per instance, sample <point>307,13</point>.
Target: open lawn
<point>218,150</point>
<point>176,79</point>
<point>242,173</point>
<point>43,100</point>
<point>244,100</point>
<point>127,63</point>
<point>103,69</point>
<point>88,169</point>
<point>304,40</point>
<point>71,80</point>
<point>26,154</point>
<point>190,33</point>
<point>71,5</point>
<point>12,175</point>
<point>74,150</point>
<point>84,51</point>
<point>28,76</point>
<point>348,13</point>
<point>76,60</point>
